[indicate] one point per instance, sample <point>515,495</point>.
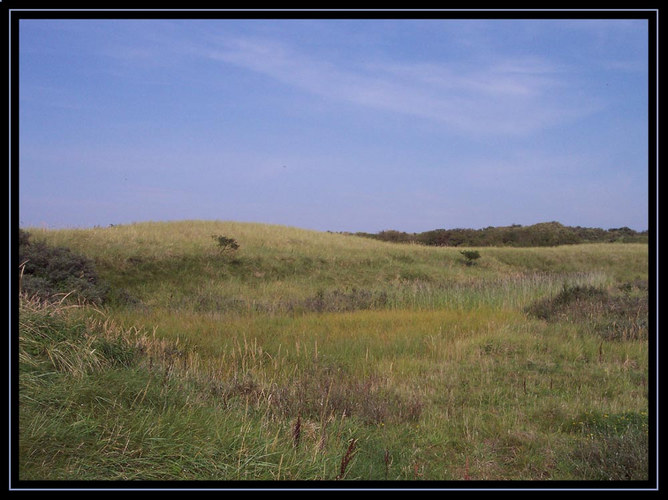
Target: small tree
<point>227,245</point>
<point>471,256</point>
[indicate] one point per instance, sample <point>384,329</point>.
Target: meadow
<point>313,356</point>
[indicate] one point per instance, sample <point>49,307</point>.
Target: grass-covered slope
<point>318,356</point>
<point>279,269</point>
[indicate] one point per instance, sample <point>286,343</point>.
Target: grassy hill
<point>317,356</point>
<point>179,264</point>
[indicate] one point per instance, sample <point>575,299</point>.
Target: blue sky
<point>341,125</point>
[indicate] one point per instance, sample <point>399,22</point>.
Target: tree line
<point>516,235</point>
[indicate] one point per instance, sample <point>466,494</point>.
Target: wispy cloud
<point>360,126</point>
<point>508,96</point>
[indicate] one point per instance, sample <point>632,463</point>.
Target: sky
<point>334,124</point>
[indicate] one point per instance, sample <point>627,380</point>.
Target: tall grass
<point>316,356</point>
<point>279,270</point>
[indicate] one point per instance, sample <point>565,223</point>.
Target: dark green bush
<point>49,272</point>
<point>516,235</point>
<point>226,245</point>
<point>471,256</point>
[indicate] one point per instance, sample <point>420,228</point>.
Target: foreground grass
<point>308,375</point>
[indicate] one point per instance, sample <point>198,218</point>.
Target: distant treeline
<point>537,235</point>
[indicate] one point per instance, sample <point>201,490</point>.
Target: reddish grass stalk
<point>347,458</point>
<point>297,432</point>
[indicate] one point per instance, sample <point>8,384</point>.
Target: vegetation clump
<point>227,246</point>
<point>611,314</point>
<point>537,235</point>
<point>49,273</point>
<point>471,256</point>
<point>51,343</point>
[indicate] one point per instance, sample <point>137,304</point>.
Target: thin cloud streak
<point>509,97</point>
<point>408,126</point>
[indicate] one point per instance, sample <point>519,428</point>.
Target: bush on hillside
<point>228,246</point>
<point>471,256</point>
<point>49,273</point>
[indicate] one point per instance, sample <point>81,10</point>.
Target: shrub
<point>227,245</point>
<point>541,234</point>
<point>471,256</point>
<point>49,272</point>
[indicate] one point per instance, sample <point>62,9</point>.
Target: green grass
<point>317,356</point>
